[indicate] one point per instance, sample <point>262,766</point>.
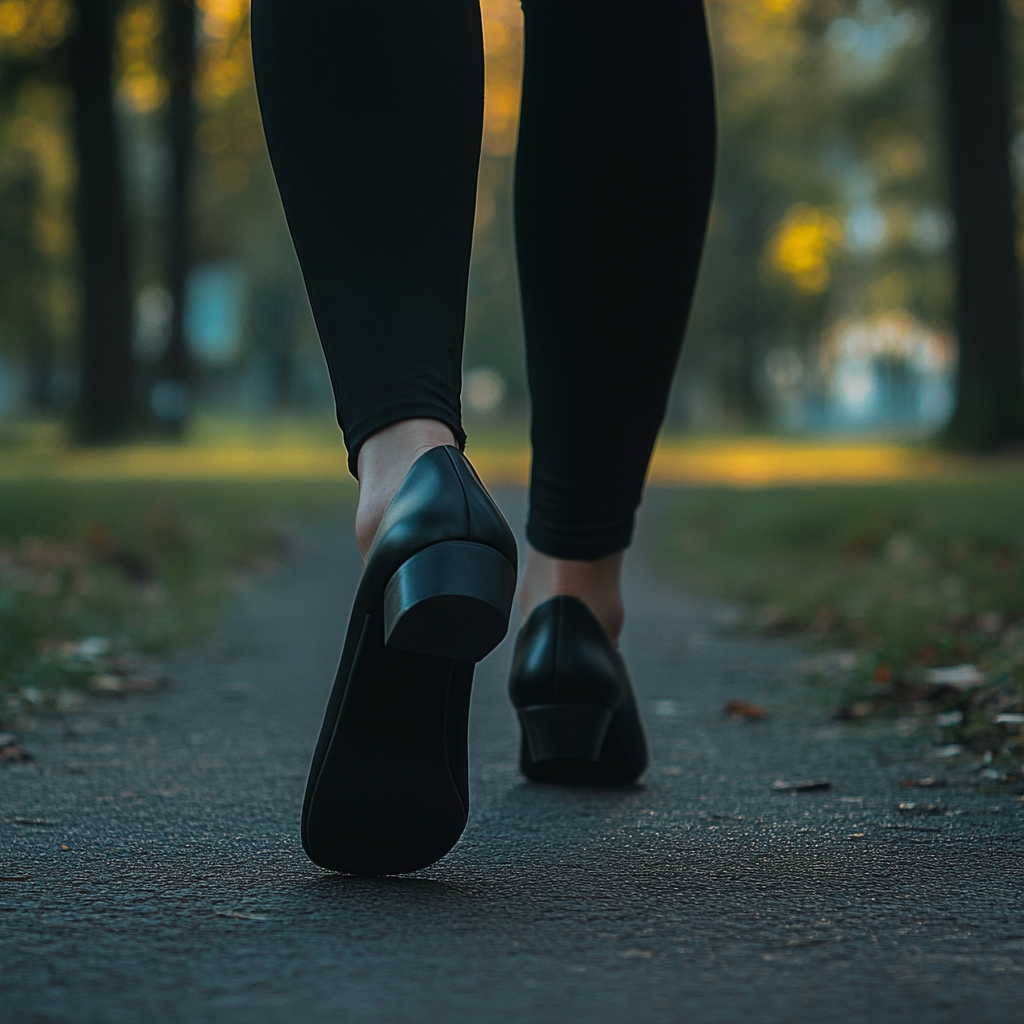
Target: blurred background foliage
<point>832,295</point>
<point>826,299</point>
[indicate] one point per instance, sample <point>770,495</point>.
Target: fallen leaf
<point>63,847</point>
<point>859,709</point>
<point>921,809</point>
<point>824,620</point>
<point>14,753</point>
<point>772,618</point>
<point>143,684</point>
<point>99,537</point>
<point>815,786</point>
<point>116,685</point>
<point>927,783</point>
<point>990,622</point>
<point>106,684</point>
<point>744,709</point>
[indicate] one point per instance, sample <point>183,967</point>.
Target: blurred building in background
<point>826,299</point>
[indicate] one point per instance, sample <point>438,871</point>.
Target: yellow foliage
<point>896,154</point>
<point>37,135</point>
<point>503,48</point>
<point>801,246</point>
<point>758,44</point>
<point>223,76</point>
<point>759,31</point>
<point>229,129</point>
<point>225,59</point>
<point>784,7</point>
<point>142,85</point>
<point>28,28</point>
<point>52,233</point>
<point>222,18</point>
<point>212,136</point>
<point>13,17</point>
<point>144,89</point>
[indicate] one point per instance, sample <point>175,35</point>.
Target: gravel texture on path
<point>152,869</point>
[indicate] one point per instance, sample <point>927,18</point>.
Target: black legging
<point>373,111</point>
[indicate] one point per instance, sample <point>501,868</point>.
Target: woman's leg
<point>373,114</point>
<point>613,184</point>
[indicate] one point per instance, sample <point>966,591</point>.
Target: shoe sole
<point>382,797</point>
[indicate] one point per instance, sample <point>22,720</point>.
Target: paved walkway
<point>169,884</point>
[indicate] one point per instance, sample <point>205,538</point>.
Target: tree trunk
<point>176,372</point>
<point>106,400</point>
<point>989,411</point>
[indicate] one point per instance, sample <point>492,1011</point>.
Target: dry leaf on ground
<point>744,709</point>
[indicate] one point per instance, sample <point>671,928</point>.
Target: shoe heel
<point>565,732</point>
<point>452,599</point>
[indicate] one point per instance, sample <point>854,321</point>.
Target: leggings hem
<point>580,546</point>
<point>357,435</point>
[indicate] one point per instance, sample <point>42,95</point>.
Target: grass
<point>309,448</point>
<point>97,577</point>
<point>906,579</point>
<point>909,560</point>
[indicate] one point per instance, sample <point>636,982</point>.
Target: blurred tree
<point>273,318</point>
<point>829,201</point>
<point>36,183</point>
<point>766,278</point>
<point>181,59</point>
<point>23,292</point>
<point>989,410</point>
<point>106,396</point>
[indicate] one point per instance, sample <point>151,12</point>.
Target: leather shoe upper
<point>564,656</point>
<point>440,499</point>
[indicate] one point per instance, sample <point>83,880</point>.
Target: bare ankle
<point>384,462</point>
<point>598,584</point>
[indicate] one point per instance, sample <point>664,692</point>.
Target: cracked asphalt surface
<point>183,894</point>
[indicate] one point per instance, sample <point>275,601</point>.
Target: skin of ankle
<point>384,462</point>
<point>598,584</point>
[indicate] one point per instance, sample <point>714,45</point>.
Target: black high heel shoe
<point>578,713</point>
<point>388,789</point>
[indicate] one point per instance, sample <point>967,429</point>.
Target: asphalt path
<point>152,867</point>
